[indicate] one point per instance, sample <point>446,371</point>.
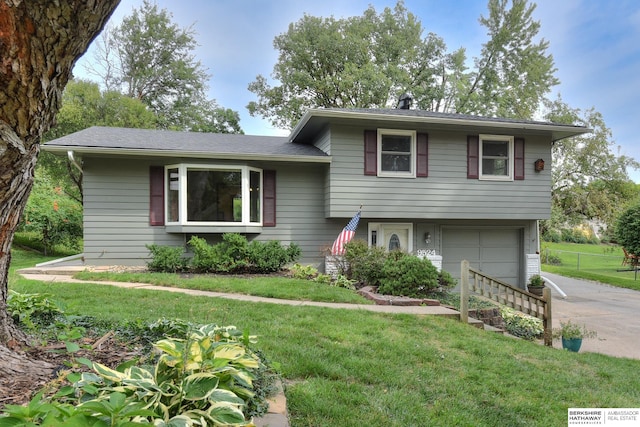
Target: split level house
<point>447,186</point>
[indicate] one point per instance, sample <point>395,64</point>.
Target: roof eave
<point>557,131</point>
<point>60,149</point>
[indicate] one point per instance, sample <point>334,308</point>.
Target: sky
<point>595,45</point>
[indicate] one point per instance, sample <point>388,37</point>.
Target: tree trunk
<point>40,41</point>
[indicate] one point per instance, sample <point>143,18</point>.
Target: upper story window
<point>213,195</point>
<point>396,153</point>
<point>496,157</point>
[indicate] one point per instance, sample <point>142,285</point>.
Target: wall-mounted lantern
<point>538,165</point>
<point>427,237</point>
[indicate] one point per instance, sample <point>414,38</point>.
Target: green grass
<point>355,368</point>
<point>263,286</point>
<point>601,263</point>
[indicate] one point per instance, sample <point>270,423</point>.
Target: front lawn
<point>355,368</point>
<point>601,263</point>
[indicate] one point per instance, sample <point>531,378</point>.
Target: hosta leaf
<point>107,372</point>
<point>199,386</point>
<point>221,395</point>
<point>225,413</point>
<point>229,352</point>
<point>170,346</point>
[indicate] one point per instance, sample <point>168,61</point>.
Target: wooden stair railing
<point>472,280</point>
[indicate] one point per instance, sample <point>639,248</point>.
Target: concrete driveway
<point>614,313</point>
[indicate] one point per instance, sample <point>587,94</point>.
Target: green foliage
<point>589,178</point>
<point>408,275</point>
<point>150,58</point>
<point>53,215</point>
<point>236,255</point>
<point>206,378</point>
<point>364,263</point>
<point>394,273</point>
<point>167,258</point>
<point>32,311</point>
<point>521,325</point>
<point>300,271</point>
<point>367,61</point>
<point>569,330</point>
<point>627,229</point>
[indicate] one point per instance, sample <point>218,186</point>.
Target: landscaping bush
<point>168,259</point>
<point>269,257</point>
<point>233,255</point>
<point>407,275</point>
<point>364,263</point>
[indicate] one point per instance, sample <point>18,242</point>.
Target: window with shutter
<point>518,158</point>
<point>156,192</point>
<point>269,197</point>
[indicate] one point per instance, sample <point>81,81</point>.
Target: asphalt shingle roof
<point>123,139</point>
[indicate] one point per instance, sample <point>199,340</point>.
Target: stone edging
<point>370,293</point>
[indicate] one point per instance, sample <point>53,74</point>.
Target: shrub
<point>269,257</point>
<point>168,259</point>
<point>364,263</point>
<point>521,325</point>
<point>236,255</point>
<point>53,215</point>
<point>407,275</point>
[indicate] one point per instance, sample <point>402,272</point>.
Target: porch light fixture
<point>427,238</point>
<point>538,165</point>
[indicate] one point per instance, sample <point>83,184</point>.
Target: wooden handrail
<point>475,281</point>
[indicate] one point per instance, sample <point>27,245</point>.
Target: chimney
<point>404,103</point>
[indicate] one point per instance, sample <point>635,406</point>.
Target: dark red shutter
<point>518,158</point>
<point>422,155</point>
<point>156,192</point>
<point>370,152</point>
<point>473,142</point>
<point>269,198</point>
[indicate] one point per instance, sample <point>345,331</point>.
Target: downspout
<point>73,160</point>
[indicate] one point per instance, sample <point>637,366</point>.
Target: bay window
<point>213,195</point>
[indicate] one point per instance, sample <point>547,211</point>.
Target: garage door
<point>495,252</point>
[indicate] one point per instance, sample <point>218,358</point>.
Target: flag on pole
<point>345,235</point>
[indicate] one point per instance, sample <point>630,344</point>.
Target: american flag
<point>345,235</point>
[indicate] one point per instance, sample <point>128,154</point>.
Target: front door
<point>396,237</point>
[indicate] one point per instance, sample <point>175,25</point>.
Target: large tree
<point>85,105</point>
<point>368,61</point>
<point>589,176</point>
<point>150,58</point>
<point>40,41</point>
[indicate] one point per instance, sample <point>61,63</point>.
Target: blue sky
<point>595,45</point>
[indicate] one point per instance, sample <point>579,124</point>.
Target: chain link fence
<point>613,265</point>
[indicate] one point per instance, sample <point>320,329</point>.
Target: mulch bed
<point>106,350</point>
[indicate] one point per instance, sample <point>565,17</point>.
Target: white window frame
<point>501,138</point>
<point>379,229</point>
<point>182,194</point>
<point>412,161</point>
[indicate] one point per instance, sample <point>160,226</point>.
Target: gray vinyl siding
<point>116,211</point>
<point>445,193</point>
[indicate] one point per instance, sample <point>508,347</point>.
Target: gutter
<point>189,154</point>
<point>73,160</point>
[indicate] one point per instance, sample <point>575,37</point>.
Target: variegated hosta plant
<point>202,380</point>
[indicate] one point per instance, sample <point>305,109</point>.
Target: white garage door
<point>495,252</point>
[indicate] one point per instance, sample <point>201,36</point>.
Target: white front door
<point>392,236</point>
